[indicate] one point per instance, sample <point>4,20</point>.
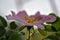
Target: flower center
<point>30,20</point>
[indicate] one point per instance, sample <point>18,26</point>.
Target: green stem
<point>28,28</point>
<point>29,36</point>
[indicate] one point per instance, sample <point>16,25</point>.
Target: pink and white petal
<point>13,13</point>
<point>37,15</point>
<point>48,18</point>
<point>12,17</point>
<point>40,26</point>
<point>9,17</point>
<point>22,14</point>
<point>23,22</point>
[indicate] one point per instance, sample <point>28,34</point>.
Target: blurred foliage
<point>21,28</point>
<point>3,22</point>
<point>16,36</point>
<point>58,33</point>
<point>43,32</point>
<point>56,24</point>
<point>51,37</point>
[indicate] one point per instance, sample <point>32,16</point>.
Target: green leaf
<point>13,25</point>
<point>21,28</point>
<point>56,24</point>
<point>2,31</point>
<point>43,32</point>
<point>53,14</point>
<point>22,33</point>
<point>9,33</point>
<point>3,22</point>
<point>3,38</point>
<point>51,37</point>
<point>54,29</point>
<point>36,36</point>
<point>48,28</point>
<point>58,33</point>
<point>16,36</point>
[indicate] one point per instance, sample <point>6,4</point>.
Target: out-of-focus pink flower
<point>36,19</point>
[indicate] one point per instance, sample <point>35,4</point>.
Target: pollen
<point>30,20</point>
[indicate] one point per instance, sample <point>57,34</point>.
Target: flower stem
<point>29,36</point>
<point>28,28</point>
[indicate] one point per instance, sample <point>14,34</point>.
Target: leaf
<point>51,37</point>
<point>43,32</point>
<point>37,36</point>
<point>3,22</point>
<point>13,25</point>
<point>56,24</point>
<point>16,36</point>
<point>2,31</point>
<point>9,33</point>
<point>22,33</point>
<point>58,33</point>
<point>21,28</point>
<point>53,14</point>
<point>3,38</point>
<point>48,28</point>
<point>54,29</point>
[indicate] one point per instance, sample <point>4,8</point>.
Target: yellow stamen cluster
<point>30,20</point>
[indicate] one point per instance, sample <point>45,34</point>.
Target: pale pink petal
<point>47,19</point>
<point>22,14</point>
<point>37,15</point>
<point>9,17</point>
<point>18,18</point>
<point>13,13</point>
<point>40,26</point>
